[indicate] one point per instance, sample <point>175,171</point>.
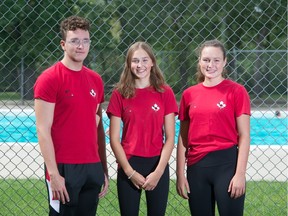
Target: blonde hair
<point>126,84</point>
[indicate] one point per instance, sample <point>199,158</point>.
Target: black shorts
<point>83,183</point>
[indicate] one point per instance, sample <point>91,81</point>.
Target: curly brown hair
<point>72,23</point>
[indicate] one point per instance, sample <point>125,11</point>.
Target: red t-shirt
<point>143,119</point>
<point>212,112</point>
<point>77,95</point>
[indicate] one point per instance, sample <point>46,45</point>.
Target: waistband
<point>219,157</point>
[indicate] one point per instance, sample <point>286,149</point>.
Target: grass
<point>28,197</point>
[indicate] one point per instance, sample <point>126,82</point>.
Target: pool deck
<point>25,161</point>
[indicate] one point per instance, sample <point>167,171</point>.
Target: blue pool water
<point>19,126</point>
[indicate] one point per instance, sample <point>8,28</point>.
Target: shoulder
<point>193,88</point>
<point>116,96</point>
<point>233,85</point>
<point>167,88</point>
<point>50,73</point>
<point>116,93</point>
<point>92,73</point>
<point>93,76</point>
<point>229,82</point>
<point>52,70</point>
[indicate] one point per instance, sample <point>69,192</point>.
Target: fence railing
<point>254,33</point>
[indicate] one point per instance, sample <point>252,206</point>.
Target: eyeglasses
<point>76,42</point>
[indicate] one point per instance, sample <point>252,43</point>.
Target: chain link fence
<point>254,33</point>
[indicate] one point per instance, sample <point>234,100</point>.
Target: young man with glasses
<point>68,99</point>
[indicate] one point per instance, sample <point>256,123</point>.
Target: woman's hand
<point>137,179</point>
<point>182,186</point>
<point>152,180</point>
<point>237,186</point>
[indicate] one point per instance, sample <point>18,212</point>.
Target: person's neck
<point>212,82</point>
<point>141,84</point>
<point>75,66</point>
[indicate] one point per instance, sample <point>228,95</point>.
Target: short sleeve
<point>45,88</point>
<point>115,105</point>
<point>183,109</point>
<point>242,101</point>
<point>170,102</point>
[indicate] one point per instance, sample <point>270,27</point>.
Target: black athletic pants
<point>209,180</point>
<point>129,196</point>
<point>83,183</point>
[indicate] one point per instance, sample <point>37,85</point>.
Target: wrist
<point>131,175</point>
<point>159,171</point>
<point>240,173</point>
<point>53,175</point>
<point>180,173</point>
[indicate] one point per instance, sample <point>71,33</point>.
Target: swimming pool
<point>19,126</point>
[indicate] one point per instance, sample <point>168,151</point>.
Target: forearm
<point>114,133</point>
<point>121,157</point>
<point>243,153</point>
<point>44,112</point>
<point>243,126</point>
<point>165,155</point>
<point>48,153</point>
<point>182,147</point>
<point>169,127</point>
<point>181,159</point>
<point>102,146</point>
